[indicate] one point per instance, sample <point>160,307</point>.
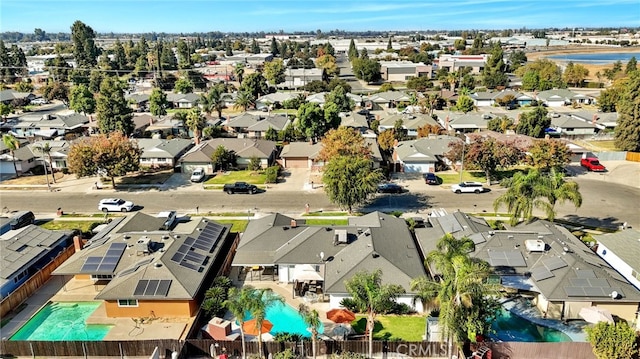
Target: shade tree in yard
<point>112,110</point>
<point>486,154</point>
<point>549,154</point>
<point>343,141</point>
<point>350,180</point>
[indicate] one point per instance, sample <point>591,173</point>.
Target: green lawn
<point>325,214</point>
<point>326,222</point>
<point>237,225</point>
<point>83,226</point>
<point>252,177</point>
<point>477,176</point>
<point>392,327</point>
<point>145,178</point>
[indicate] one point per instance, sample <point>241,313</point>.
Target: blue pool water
<point>596,58</point>
<point>59,321</point>
<point>510,327</point>
<point>286,319</point>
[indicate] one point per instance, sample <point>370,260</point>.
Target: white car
<point>467,187</point>
<point>197,175</point>
<point>170,219</point>
<point>115,205</point>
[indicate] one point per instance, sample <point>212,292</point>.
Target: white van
<point>197,175</point>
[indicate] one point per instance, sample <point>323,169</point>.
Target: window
<point>127,302</point>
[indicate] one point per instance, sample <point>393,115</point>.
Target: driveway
<point>621,172</point>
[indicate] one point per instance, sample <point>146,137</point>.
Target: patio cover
<point>305,272</point>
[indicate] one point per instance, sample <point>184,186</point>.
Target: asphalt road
<point>604,204</point>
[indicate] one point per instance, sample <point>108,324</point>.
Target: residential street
<point>604,203</point>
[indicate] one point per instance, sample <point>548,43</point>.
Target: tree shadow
<point>405,202</point>
<point>612,223</point>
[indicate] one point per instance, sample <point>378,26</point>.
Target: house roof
<point>409,121</point>
<point>301,149</point>
<point>547,257</point>
<point>373,241</point>
<point>522,142</point>
<point>9,95</point>
<point>565,122</point>
<point>384,97</point>
<point>138,97</point>
<point>558,95</point>
<point>607,119</point>
<point>624,244</point>
<point>425,149</point>
<point>173,266</point>
<point>469,120</point>
<point>26,245</point>
<point>245,148</point>
<point>278,97</point>
<point>154,148</point>
<point>353,119</point>
<point>182,97</point>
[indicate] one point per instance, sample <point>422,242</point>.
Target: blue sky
<point>309,15</point>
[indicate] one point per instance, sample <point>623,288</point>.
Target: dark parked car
<point>390,188</point>
<point>240,187</point>
<point>430,178</point>
<point>22,219</point>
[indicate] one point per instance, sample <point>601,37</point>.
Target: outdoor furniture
<point>310,297</point>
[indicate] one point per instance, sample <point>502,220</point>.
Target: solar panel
<point>585,273</point>
<point>598,282</point>
<point>191,266</point>
<point>541,273</point>
<point>107,267</point>
<point>152,287</point>
<point>89,267</point>
<point>184,248</point>
<point>163,288</point>
<point>506,258</point>
<point>111,260</point>
<point>595,292</point>
<point>141,287</point>
<point>574,291</point>
<point>579,282</point>
<point>177,257</point>
<point>202,246</point>
<point>93,260</point>
<point>189,241</point>
<point>554,263</point>
<point>195,257</point>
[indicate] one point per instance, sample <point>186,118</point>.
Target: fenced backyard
<point>199,348</point>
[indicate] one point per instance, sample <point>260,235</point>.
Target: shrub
<point>347,355</point>
<point>612,341</point>
<point>272,174</point>
<point>401,309</point>
<point>286,354</point>
<point>349,304</point>
<point>285,337</point>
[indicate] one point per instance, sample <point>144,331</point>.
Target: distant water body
<point>602,58</point>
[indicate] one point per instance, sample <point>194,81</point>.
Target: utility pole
<point>462,162</point>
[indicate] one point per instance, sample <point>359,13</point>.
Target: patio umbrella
<point>595,315</point>
<point>340,315</point>
<point>250,327</point>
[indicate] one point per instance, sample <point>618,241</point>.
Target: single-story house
<point>455,62</point>
<point>295,78</point>
<point>320,98</point>
<point>602,120</point>
<point>569,126</point>
<point>300,154</point>
<point>485,99</point>
<point>562,97</point>
<point>621,250</point>
<point>7,96</point>
<point>139,270</point>
<point>276,99</point>
<point>388,99</point>
<point>244,149</point>
<point>138,101</point>
<point>26,251</point>
<point>168,125</point>
<point>323,258</point>
<point>255,125</point>
<point>543,260</point>
<point>162,152</point>
<point>47,126</point>
<point>354,120</point>
<point>465,122</point>
<point>182,100</point>
<point>410,122</point>
<point>422,155</point>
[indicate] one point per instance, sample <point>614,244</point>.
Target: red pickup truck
<point>592,164</point>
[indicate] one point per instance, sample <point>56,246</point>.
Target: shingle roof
<point>424,149</point>
<point>245,148</point>
<point>624,244</point>
<point>301,149</point>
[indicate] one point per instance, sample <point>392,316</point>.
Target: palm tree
<point>464,297</point>
<point>45,149</point>
<point>536,189</point>
<point>196,122</point>
<point>12,143</point>
<point>244,100</point>
<point>372,297</point>
<point>238,303</point>
<point>262,299</point>
<point>312,319</point>
<point>213,100</point>
<point>239,71</point>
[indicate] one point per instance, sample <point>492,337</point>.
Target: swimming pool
<point>59,321</point>
<point>510,327</point>
<point>286,319</point>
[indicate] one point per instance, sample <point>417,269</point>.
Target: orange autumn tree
<point>113,154</point>
<point>343,141</point>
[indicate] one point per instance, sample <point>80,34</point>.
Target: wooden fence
<point>204,348</point>
<point>23,292</point>
<point>633,156</point>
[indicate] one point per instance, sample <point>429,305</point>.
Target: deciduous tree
<point>533,123</point>
<point>222,158</point>
<point>183,85</point>
<point>549,154</point>
<point>158,102</point>
<point>82,100</point>
<point>349,180</point>
<point>343,141</point>
<point>465,104</point>
<point>575,74</point>
<point>56,90</point>
<point>255,84</point>
<point>274,71</point>
<point>113,153</point>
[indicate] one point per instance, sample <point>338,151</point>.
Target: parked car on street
<point>115,205</point>
<point>390,188</point>
<point>467,187</point>
<point>430,178</point>
<point>197,175</point>
<point>240,187</point>
<point>592,164</point>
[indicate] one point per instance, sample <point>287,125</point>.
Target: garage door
<point>296,162</point>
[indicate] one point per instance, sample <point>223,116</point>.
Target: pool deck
<point>573,329</point>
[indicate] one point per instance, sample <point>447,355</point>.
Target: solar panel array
<point>154,288</point>
<point>506,259</point>
<point>588,285</point>
<point>187,256</point>
<point>541,273</point>
<point>554,263</point>
<point>106,264</point>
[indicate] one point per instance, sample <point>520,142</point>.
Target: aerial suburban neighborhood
<point>343,194</point>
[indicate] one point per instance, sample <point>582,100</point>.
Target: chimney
<point>77,243</point>
<point>294,224</point>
